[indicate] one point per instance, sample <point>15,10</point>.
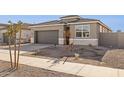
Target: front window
<point>78,34</point>
<point>86,34</point>
<point>82,31</point>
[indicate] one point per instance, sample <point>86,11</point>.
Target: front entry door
<point>67,36</point>
<point>67,40</point>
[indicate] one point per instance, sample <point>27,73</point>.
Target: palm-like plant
<point>20,31</point>
<point>13,29</point>
<point>9,34</point>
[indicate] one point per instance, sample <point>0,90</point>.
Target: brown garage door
<point>47,37</point>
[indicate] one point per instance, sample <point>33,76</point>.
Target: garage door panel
<point>47,37</point>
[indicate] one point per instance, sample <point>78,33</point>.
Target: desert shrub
<point>99,53</point>
<point>90,45</point>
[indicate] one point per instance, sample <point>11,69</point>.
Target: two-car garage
<point>47,34</point>
<point>47,37</point>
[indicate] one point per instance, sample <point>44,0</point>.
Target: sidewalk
<point>68,67</point>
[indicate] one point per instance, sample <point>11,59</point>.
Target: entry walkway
<point>68,67</point>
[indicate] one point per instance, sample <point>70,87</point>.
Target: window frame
<point>82,30</point>
<point>78,32</point>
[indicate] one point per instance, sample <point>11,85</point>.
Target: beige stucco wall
<point>1,35</point>
<point>93,31</point>
<point>108,39</point>
<point>1,38</point>
<point>121,40</point>
<point>26,35</point>
<point>115,39</point>
<point>93,39</point>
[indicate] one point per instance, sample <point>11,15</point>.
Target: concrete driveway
<point>32,47</point>
<point>26,48</point>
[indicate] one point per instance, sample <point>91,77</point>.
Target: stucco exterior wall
<point>93,31</point>
<point>93,39</point>
<point>1,39</point>
<point>26,35</point>
<point>1,35</point>
<point>95,35</point>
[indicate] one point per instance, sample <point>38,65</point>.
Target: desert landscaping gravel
<point>114,58</point>
<point>99,56</point>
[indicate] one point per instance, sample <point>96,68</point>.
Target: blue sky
<point>115,22</point>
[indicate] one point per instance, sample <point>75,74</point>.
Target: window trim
<point>83,31</point>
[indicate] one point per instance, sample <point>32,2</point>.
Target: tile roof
<point>62,22</point>
<point>48,23</point>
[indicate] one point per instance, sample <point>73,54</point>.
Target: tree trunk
<point>15,50</point>
<point>19,48</point>
<point>10,52</point>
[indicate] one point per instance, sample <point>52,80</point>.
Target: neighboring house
<point>2,27</point>
<point>26,34</point>
<point>68,30</point>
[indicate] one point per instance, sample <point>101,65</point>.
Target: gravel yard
<point>114,58</point>
<point>99,56</point>
<point>94,53</point>
<point>28,71</point>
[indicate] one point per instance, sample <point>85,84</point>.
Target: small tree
<point>19,25</point>
<point>9,33</point>
<point>13,29</point>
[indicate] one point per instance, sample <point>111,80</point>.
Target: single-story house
<point>2,27</point>
<point>71,29</point>
<point>26,34</point>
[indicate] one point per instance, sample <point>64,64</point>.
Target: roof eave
<point>46,25</point>
<point>92,22</point>
<point>104,25</point>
